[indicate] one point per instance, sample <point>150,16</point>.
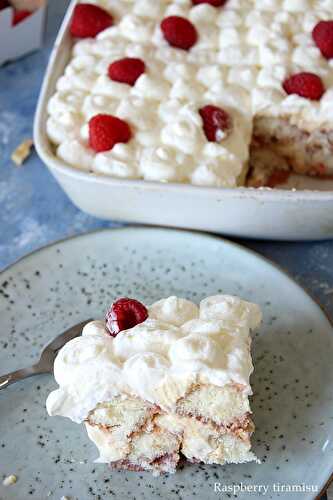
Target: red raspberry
<point>124,314</point>
<point>323,36</point>
<point>214,3</point>
<point>20,15</point>
<point>306,85</point>
<point>105,131</point>
<point>88,20</point>
<point>215,120</point>
<point>126,70</point>
<point>179,32</point>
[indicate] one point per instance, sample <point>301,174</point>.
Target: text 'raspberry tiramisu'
<point>151,383</point>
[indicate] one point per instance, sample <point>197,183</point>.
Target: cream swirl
<point>158,360</point>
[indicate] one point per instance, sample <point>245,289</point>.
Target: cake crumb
<point>9,480</point>
<point>22,152</point>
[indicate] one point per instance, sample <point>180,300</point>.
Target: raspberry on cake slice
<point>153,383</point>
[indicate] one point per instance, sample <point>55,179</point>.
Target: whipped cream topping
<point>244,52</point>
<point>179,344</point>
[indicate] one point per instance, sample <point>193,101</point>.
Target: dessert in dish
<point>207,92</point>
<point>151,383</point>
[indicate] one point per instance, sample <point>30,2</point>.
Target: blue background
<point>34,210</point>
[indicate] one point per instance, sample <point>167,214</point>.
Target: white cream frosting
<point>244,52</point>
<point>158,360</point>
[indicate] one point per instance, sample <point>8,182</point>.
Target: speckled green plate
<point>65,283</point>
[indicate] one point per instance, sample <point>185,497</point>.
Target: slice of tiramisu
<point>151,383</point>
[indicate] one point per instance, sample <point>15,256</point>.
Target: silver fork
<point>47,357</point>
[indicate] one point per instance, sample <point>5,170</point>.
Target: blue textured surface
<point>35,211</point>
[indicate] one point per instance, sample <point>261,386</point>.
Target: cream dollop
<point>174,310</point>
<point>158,360</point>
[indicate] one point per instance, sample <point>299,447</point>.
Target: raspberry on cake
<point>155,382</point>
<point>323,37</point>
<point>105,131</point>
<point>214,3</point>
<point>166,67</point>
<point>126,70</point>
<point>179,32</point>
<point>216,123</point>
<point>307,85</point>
<point>88,20</point>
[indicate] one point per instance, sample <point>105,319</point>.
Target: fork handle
<point>11,378</point>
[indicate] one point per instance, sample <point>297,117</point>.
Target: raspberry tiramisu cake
<point>208,92</point>
<point>151,383</point>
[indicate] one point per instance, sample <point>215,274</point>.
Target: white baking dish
<point>257,213</point>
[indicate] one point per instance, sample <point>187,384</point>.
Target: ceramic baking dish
<point>257,213</point>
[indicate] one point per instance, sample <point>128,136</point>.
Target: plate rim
<point>209,236</point>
